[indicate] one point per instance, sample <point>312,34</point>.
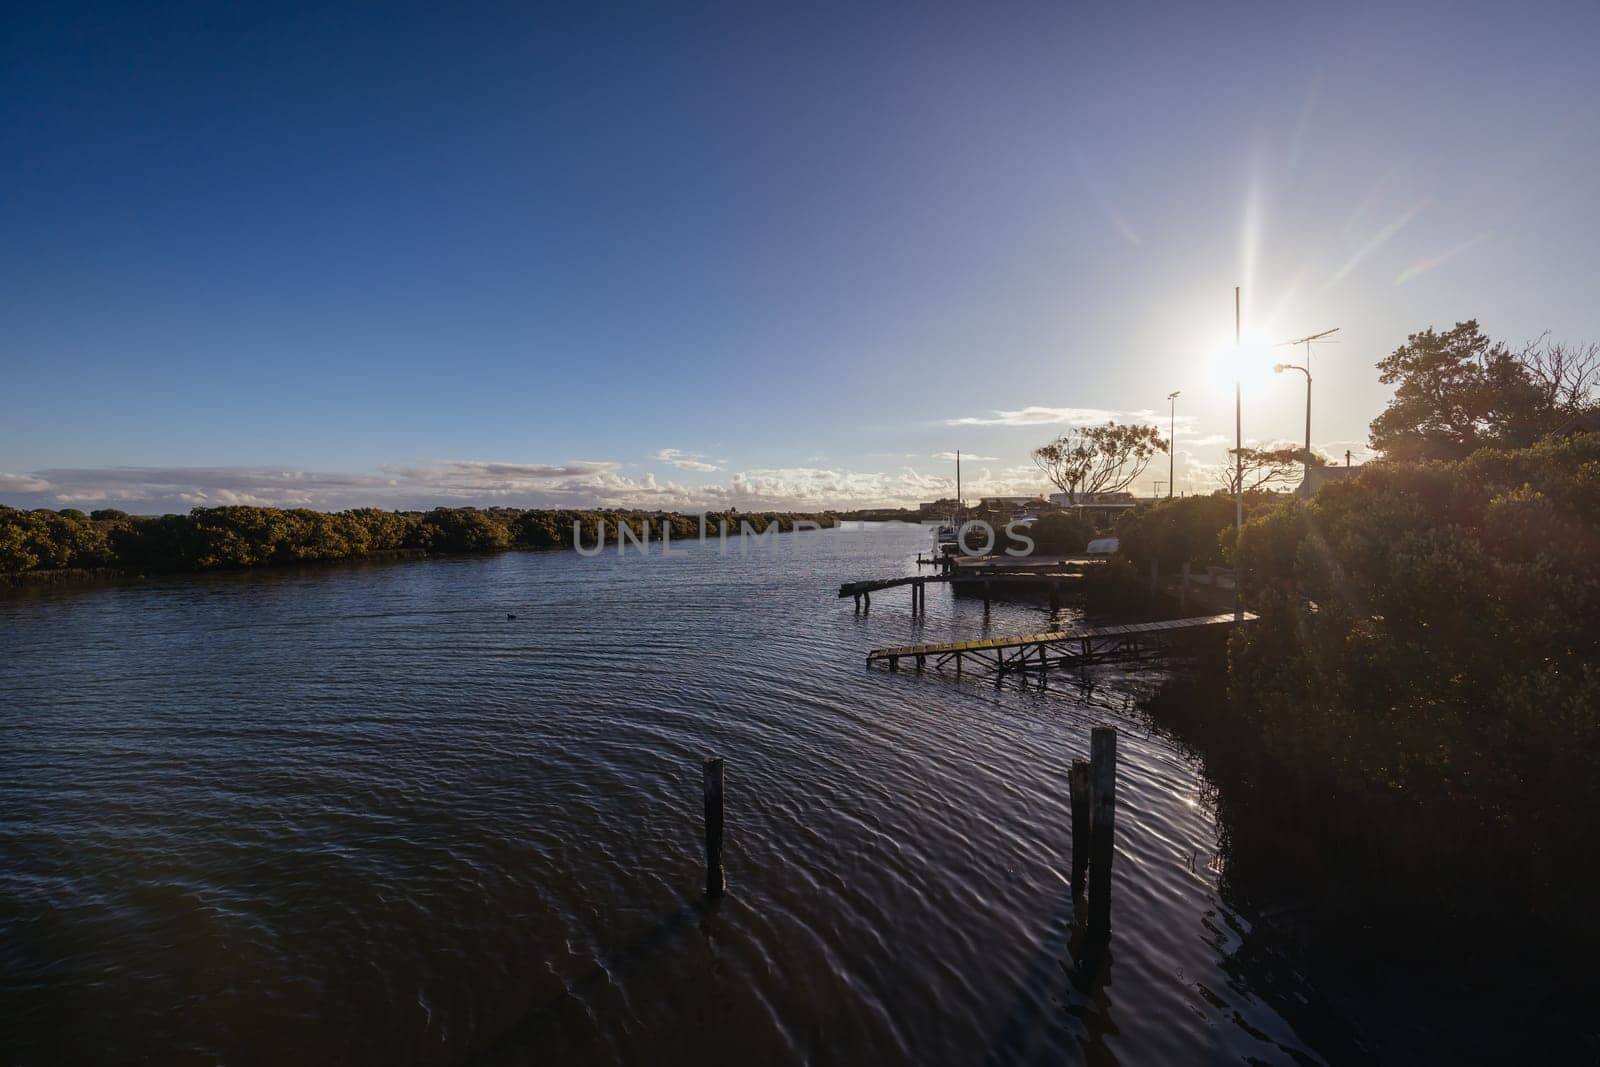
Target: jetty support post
<point>1078,782</point>
<point>858,603</point>
<point>1102,823</point>
<point>866,601</point>
<point>716,880</point>
<point>988,594</point>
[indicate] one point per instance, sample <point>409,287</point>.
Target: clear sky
<point>748,255</point>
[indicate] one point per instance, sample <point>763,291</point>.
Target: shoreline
<point>111,545</point>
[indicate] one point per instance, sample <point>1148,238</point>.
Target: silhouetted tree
<point>1456,392</point>
<point>1099,459</point>
<point>1265,468</point>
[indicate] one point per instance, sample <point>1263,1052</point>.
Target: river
<point>355,813</point>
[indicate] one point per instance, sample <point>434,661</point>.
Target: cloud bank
<point>576,483</point>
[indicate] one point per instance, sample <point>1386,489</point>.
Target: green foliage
<point>461,530</point>
<point>1061,533</point>
<point>1197,530</point>
<point>231,537</point>
<point>1424,687</point>
<point>49,539</point>
<point>1175,531</point>
<point>1456,392</point>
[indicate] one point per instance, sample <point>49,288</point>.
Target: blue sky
<point>450,254</point>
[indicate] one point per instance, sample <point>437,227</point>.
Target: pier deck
<point>1057,648</point>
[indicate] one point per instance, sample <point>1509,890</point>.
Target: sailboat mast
<point>958,478</point>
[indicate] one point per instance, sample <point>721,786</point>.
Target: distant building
<point>1011,505</point>
<point>1069,501</point>
<point>939,509</point>
<point>1321,476</point>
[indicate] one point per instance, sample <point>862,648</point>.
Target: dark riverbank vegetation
<point>48,545</point>
<point>1407,746</point>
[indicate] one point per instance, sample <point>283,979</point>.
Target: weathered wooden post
<point>1055,596</point>
<point>716,881</point>
<point>866,601</point>
<point>1078,781</point>
<point>858,603</point>
<point>1102,823</point>
<point>988,593</point>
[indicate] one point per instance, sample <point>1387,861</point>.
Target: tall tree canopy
<point>1457,391</point>
<point>1099,459</point>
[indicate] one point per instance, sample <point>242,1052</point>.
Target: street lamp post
<point>1308,341</point>
<point>1172,443</point>
<point>1238,434</point>
<point>1280,368</point>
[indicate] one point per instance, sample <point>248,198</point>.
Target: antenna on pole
<point>1307,341</point>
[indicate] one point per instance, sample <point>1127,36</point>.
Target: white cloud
<point>1048,416</point>
<point>685,461</point>
<point>1035,416</point>
<point>22,483</point>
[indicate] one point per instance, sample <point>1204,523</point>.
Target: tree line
<point>242,536</point>
<point>1414,719</point>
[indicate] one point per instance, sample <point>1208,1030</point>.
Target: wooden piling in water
<point>716,881</point>
<point>1102,823</point>
<point>1078,783</point>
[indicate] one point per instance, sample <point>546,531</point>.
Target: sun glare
<point>1249,362</point>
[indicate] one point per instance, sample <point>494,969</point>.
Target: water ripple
<point>356,813</point>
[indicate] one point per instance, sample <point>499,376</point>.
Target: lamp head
<point>1175,394</point>
<point>1279,368</point>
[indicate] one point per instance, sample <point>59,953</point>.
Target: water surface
<point>357,814</point>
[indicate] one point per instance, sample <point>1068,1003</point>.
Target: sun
<point>1249,363</point>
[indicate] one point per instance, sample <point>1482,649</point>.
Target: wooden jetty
<point>1057,648</point>
<point>988,583</point>
<point>987,576</point>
